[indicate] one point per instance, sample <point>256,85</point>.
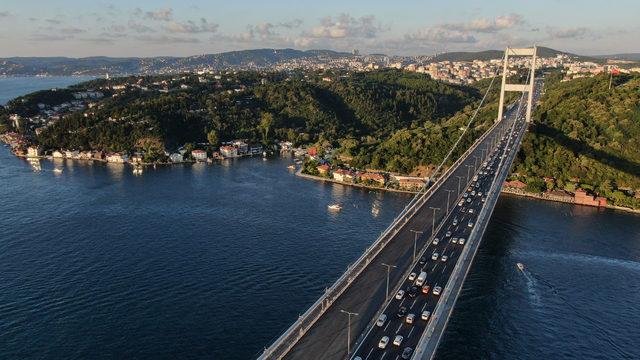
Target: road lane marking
<point>401,302</point>
<point>383,355</point>
<point>399,327</point>
<point>423,307</point>
<point>410,331</point>
<point>386,326</point>
<point>369,354</point>
<point>414,302</point>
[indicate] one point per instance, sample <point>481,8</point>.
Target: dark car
<point>406,354</point>
<point>402,312</point>
<point>412,291</point>
<point>423,260</point>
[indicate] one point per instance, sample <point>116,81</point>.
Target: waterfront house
<point>34,151</point>
<point>343,175</point>
<point>515,184</point>
<point>228,151</point>
<point>71,154</point>
<point>137,157</point>
<point>85,155</point>
<point>323,169</point>
<point>176,157</point>
<point>57,154</point>
<point>98,155</point>
<point>199,155</point>
<point>584,198</point>
<point>241,146</point>
<point>117,158</point>
<point>285,145</point>
<point>372,178</point>
<point>409,182</point>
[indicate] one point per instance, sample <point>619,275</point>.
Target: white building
<point>199,155</point>
<point>33,151</point>
<point>228,151</point>
<point>117,158</point>
<point>57,154</point>
<point>176,157</point>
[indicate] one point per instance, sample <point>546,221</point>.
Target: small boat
<point>57,171</point>
<point>375,211</point>
<point>291,167</point>
<point>520,266</point>
<point>335,207</point>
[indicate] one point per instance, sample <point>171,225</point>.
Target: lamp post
<point>415,241</point>
<point>468,173</point>
<point>433,218</point>
<point>448,196</point>
<point>349,314</point>
<point>388,271</point>
<point>459,181</point>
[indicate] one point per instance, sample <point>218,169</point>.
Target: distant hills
<point>628,56</point>
<point>497,54</point>
<point>242,59</point>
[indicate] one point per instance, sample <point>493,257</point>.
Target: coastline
<point>362,186</point>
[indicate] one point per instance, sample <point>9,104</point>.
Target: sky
<point>395,27</point>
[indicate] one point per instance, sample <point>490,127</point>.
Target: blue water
<point>11,87</point>
<point>215,261</point>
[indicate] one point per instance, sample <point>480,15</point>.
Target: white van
<point>421,279</point>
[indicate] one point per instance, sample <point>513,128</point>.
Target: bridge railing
<point>292,335</point>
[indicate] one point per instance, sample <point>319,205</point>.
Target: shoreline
<point>362,186</point>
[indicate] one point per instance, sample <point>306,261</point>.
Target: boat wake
<point>531,285</point>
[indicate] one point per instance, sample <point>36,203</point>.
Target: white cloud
<point>347,26</point>
<point>158,15</point>
<point>568,33</point>
<point>192,27</point>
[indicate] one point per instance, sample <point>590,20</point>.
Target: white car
<point>383,342</point>
<point>454,240</point>
<point>381,320</point>
<point>436,241</point>
<point>400,294</point>
<point>471,211</point>
<point>470,224</point>
<point>444,258</point>
<point>412,276</point>
<point>398,340</point>
<point>461,241</point>
<point>448,234</point>
<point>435,256</point>
<point>409,319</point>
<point>437,290</point>
<point>425,315</point>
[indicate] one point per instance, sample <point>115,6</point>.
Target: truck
<point>421,279</point>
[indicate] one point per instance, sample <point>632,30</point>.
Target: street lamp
<point>468,174</point>
<point>459,181</point>
<point>448,196</point>
<point>349,314</point>
<point>433,222</point>
<point>415,241</point>
<point>475,163</point>
<point>388,271</point>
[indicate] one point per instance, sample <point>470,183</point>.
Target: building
<point>34,151</point>
<point>199,155</point>
<point>228,151</point>
<point>71,154</point>
<point>370,177</point>
<point>584,198</point>
<point>410,182</point>
<point>323,169</point>
<point>176,157</point>
<point>241,146</point>
<point>515,184</point>
<point>343,175</point>
<point>117,158</point>
<point>57,154</point>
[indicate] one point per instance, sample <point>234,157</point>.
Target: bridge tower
<point>520,52</point>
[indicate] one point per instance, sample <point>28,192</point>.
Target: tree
<point>212,137</point>
<point>265,124</point>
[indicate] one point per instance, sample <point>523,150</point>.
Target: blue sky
<point>403,27</point>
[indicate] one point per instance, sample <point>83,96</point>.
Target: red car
<point>425,289</point>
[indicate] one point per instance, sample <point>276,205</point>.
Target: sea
<point>215,261</point>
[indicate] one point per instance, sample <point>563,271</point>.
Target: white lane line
<point>414,302</point>
<point>397,357</point>
<point>399,327</point>
<point>401,302</point>
<point>410,331</point>
<point>434,267</point>
<point>386,326</point>
<point>369,354</point>
<point>383,355</point>
<point>423,307</point>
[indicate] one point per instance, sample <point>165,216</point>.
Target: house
<point>313,151</point>
<point>117,158</point>
<point>286,145</point>
<point>410,182</point>
<point>71,154</point>
<point>343,175</point>
<point>515,184</point>
<point>228,151</point>
<point>98,155</point>
<point>584,198</point>
<point>176,158</point>
<point>370,177</point>
<point>199,155</point>
<point>323,169</point>
<point>85,155</point>
<point>34,151</point>
<point>57,154</point>
<point>137,157</point>
<point>241,147</point>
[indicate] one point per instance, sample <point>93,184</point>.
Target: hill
<point>497,54</point>
<point>588,136</point>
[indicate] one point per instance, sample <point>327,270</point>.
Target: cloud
<point>158,15</point>
<point>138,27</point>
<point>292,24</point>
<point>568,33</point>
<point>484,25</point>
<point>441,35</point>
<point>53,21</point>
<point>165,39</point>
<point>192,27</point>
<point>71,30</point>
<point>346,26</point>
<point>4,14</point>
<point>50,37</point>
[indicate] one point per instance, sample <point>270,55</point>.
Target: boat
<point>57,171</point>
<point>375,211</point>
<point>335,207</point>
<point>520,266</point>
<point>291,167</point>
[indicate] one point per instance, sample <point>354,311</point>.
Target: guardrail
<point>292,335</point>
<point>428,343</point>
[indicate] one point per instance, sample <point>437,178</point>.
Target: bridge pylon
<point>519,52</point>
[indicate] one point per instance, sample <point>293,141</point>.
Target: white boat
<point>291,167</point>
<point>335,207</point>
<point>520,266</point>
<point>375,211</point>
<point>57,171</point>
